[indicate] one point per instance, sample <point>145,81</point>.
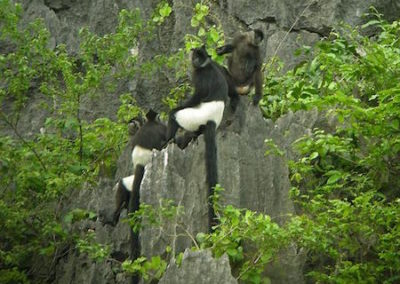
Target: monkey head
<point>258,36</point>
<point>253,37</point>
<point>200,57</point>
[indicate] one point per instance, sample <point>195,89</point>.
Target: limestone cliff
<point>251,180</point>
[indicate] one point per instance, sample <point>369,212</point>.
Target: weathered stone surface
<point>318,16</point>
<point>250,179</point>
<point>293,41</point>
<point>64,18</point>
<point>78,268</point>
<point>199,268</point>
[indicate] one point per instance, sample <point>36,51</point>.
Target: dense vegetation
<point>345,182</point>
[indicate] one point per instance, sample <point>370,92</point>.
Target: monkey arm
<point>258,82</point>
<point>228,48</point>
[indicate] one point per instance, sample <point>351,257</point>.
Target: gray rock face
<point>310,20</point>
<point>199,268</point>
<point>78,268</point>
<point>250,179</point>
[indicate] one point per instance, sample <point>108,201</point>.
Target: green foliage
<point>154,216</point>
<point>94,250</point>
<point>210,35</point>
<point>166,211</point>
<point>346,181</point>
<point>162,12</point>
<point>272,148</point>
<point>39,171</point>
<point>77,215</point>
<point>149,270</point>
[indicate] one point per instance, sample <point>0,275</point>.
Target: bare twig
<point>190,236</point>
<point>254,262</point>
<point>286,35</point>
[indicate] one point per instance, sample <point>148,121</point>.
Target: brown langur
<point>244,65</point>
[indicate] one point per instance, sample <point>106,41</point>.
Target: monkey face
<point>254,37</point>
<point>258,36</point>
<point>133,126</point>
<point>200,57</point>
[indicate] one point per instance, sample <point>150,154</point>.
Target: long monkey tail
<point>134,203</point>
<point>211,168</point>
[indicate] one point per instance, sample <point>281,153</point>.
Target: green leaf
<point>201,32</point>
<point>166,10</point>
<point>371,23</point>
<point>214,35</point>
<point>334,178</point>
<point>314,155</point>
<point>232,252</point>
<point>194,22</point>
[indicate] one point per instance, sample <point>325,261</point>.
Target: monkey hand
<point>220,50</point>
<point>224,49</point>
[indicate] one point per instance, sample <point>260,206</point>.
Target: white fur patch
<point>193,117</point>
<point>141,156</point>
<point>128,182</point>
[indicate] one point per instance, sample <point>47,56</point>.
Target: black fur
<point>244,64</point>
<point>183,140</point>
<point>121,201</point>
<point>134,200</point>
<point>211,167</point>
<point>209,85</point>
<point>152,135</point>
<point>134,203</point>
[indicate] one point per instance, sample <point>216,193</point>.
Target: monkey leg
<point>173,127</point>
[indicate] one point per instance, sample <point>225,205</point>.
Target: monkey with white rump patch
<point>202,113</point>
<point>152,135</point>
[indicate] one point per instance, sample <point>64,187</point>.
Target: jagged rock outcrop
<point>199,268</point>
<point>310,20</point>
<point>251,180</point>
<point>78,268</point>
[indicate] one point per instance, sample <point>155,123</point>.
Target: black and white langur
<point>202,113</point>
<point>152,135</point>
<point>244,65</point>
<point>122,189</point>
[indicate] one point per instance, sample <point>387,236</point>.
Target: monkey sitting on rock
<point>152,135</point>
